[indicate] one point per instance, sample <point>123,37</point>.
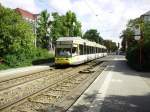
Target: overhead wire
<point>57,10</point>
<point>93,11</point>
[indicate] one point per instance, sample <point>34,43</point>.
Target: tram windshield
<point>74,51</point>
<point>66,52</point>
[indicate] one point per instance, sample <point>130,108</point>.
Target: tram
<point>75,50</point>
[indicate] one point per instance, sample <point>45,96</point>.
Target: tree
<point>138,52</point>
<point>57,28</point>
<point>72,25</point>
<point>43,33</point>
<point>15,33</point>
<point>111,46</point>
<point>127,38</point>
<point>93,35</point>
<point>65,25</point>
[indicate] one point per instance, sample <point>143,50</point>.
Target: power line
<point>92,11</point>
<point>57,10</point>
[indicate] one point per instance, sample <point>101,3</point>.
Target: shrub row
<point>25,58</point>
<point>133,57</point>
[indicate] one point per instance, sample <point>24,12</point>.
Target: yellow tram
<point>75,50</point>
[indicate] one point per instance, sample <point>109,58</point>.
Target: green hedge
<point>133,57</point>
<point>26,58</point>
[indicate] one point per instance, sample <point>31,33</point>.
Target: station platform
<point>18,72</point>
<point>117,89</point>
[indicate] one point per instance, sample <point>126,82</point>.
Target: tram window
<point>102,50</point>
<point>93,49</point>
<point>90,50</point>
<point>63,51</point>
<point>74,51</point>
<point>85,49</point>
<point>81,49</point>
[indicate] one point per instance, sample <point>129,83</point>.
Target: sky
<point>109,17</point>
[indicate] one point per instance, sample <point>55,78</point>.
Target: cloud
<point>61,6</point>
<point>108,16</point>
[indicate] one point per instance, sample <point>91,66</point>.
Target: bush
<point>3,66</point>
<point>15,33</point>
<point>16,41</point>
<point>13,60</point>
<point>133,57</point>
<point>27,57</point>
<point>146,56</point>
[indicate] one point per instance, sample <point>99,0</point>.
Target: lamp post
<point>139,37</point>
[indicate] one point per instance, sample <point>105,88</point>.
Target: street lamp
<point>139,37</point>
<point>137,32</point>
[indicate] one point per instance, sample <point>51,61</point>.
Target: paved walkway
<point>17,72</point>
<point>117,89</point>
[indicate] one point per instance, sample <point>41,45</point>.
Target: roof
<point>68,38</point>
<point>146,14</point>
<point>26,14</point>
<point>79,40</point>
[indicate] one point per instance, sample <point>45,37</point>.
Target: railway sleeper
<point>64,90</point>
<point>32,107</point>
<point>53,95</point>
<point>44,99</point>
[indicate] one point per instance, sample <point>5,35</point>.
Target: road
<point>117,89</point>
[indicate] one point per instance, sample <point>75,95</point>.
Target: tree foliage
<point>111,46</point>
<point>127,38</point>
<point>65,25</point>
<point>15,33</point>
<point>138,52</point>
<point>73,26</point>
<point>93,35</point>
<point>43,26</point>
<point>17,41</point>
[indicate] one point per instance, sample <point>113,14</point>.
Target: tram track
<point>43,92</point>
<point>22,90</point>
<point>27,78</point>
